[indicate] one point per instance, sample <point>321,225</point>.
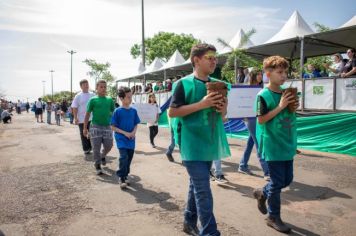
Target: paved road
<point>49,188</point>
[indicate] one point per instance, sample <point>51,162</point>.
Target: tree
<point>57,97</point>
<point>237,58</point>
<point>101,71</point>
<point>321,28</point>
<point>164,44</point>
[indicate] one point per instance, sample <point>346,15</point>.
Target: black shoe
<point>87,152</point>
<point>220,179</point>
<point>170,157</point>
<point>103,161</point>
<point>98,169</point>
<point>191,230</point>
<point>277,224</point>
<point>212,176</point>
<point>261,201</point>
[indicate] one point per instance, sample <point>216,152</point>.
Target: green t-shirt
<point>102,109</point>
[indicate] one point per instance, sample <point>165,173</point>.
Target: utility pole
<point>44,85</point>
<point>71,73</point>
<point>52,82</point>
<point>143,52</point>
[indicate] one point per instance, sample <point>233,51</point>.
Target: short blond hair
<point>274,62</point>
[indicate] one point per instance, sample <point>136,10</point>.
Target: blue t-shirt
<point>125,119</point>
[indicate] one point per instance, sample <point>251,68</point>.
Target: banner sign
<point>146,112</point>
<point>242,101</point>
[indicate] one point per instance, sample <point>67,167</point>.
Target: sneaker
<point>261,201</point>
<point>153,146</point>
<point>212,176</point>
<point>267,178</point>
<point>191,230</point>
<point>170,157</point>
<point>220,179</point>
<point>87,152</point>
<point>277,224</point>
<point>103,161</point>
<point>298,151</point>
<point>127,180</point>
<point>98,169</point>
<point>123,184</point>
<point>244,171</point>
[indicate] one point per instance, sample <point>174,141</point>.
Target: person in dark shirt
<point>350,66</point>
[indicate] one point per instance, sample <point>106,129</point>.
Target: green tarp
<point>334,133</point>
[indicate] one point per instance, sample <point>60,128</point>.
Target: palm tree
<point>237,57</point>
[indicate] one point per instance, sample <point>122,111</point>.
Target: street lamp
<point>143,53</point>
<point>52,81</point>
<point>71,72</point>
<point>44,85</point>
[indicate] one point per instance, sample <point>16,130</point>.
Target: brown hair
<point>275,62</point>
<point>253,77</point>
<point>100,81</point>
<point>149,97</point>
<point>122,92</point>
<point>200,50</point>
<point>83,81</point>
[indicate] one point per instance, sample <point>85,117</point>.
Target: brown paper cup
<point>294,92</point>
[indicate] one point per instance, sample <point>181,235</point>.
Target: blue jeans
<point>200,198</point>
<point>124,164</point>
<point>251,126</point>
<point>217,168</point>
<point>281,173</point>
<point>172,145</point>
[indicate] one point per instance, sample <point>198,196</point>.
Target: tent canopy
<point>317,44</point>
<point>235,42</point>
<point>294,27</point>
<point>350,22</point>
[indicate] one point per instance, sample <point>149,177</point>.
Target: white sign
<point>318,94</point>
<point>242,102</point>
<point>346,94</point>
<point>146,112</point>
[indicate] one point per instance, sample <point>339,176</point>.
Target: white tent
<point>236,42</point>
<point>350,22</point>
<point>154,66</point>
<point>294,27</point>
<point>175,60</point>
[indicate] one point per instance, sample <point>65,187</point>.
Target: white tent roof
<point>141,68</point>
<point>351,22</point>
<point>175,60</point>
<point>294,27</point>
<point>154,66</point>
<point>236,41</point>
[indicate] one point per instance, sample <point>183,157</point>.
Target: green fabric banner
<point>334,133</point>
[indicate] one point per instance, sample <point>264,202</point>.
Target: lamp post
<point>52,82</point>
<point>44,85</point>
<point>71,72</point>
<point>143,52</point>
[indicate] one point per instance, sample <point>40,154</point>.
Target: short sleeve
<point>114,120</point>
<point>90,105</point>
<point>137,119</point>
<point>75,103</point>
<point>178,97</point>
<point>353,63</point>
<point>261,106</point>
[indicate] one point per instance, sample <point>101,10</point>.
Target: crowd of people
<point>196,119</point>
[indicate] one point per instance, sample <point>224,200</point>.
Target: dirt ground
<point>48,187</point>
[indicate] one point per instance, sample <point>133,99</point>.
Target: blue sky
<point>36,34</point>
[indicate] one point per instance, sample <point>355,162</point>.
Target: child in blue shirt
<point>124,123</point>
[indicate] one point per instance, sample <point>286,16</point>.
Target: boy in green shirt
<point>102,108</point>
<point>276,135</point>
<point>199,132</point>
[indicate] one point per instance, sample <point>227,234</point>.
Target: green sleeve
<point>90,106</point>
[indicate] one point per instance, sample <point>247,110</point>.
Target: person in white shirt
<point>39,110</point>
<point>153,127</point>
<point>336,68</point>
<point>79,106</point>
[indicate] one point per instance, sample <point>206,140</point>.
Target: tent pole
<point>235,69</point>
<point>301,70</point>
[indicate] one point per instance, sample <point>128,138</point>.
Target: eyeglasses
<point>210,57</point>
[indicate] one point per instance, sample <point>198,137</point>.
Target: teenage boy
<point>277,139</point>
<point>200,135</point>
<point>79,106</point>
<point>101,107</point>
<point>124,123</point>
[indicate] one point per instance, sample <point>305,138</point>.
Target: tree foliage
<point>58,97</point>
<point>164,44</point>
<point>237,58</point>
<point>101,71</point>
<point>321,28</point>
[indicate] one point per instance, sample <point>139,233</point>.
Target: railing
<point>317,94</point>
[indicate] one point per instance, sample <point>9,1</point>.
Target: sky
<point>35,35</point>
